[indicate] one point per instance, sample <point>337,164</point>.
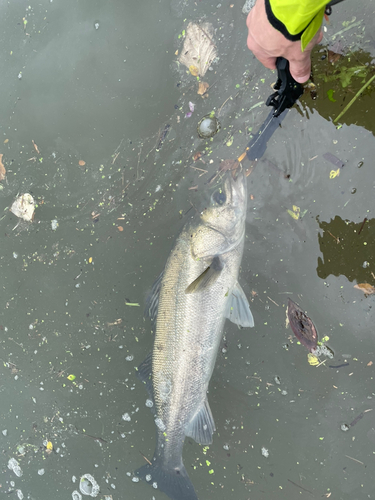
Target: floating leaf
<point>71,377</point>
<point>366,288</point>
<point>302,326</point>
<point>199,49</point>
<point>330,95</point>
<point>293,214</point>
<point>230,141</point>
<point>334,173</point>
<point>49,446</point>
<point>2,168</point>
<point>24,207</point>
<point>193,70</point>
<point>202,87</point>
<point>312,359</point>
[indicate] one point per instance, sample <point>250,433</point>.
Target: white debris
<point>14,466</point>
<point>265,452</point>
<point>24,207</point>
<point>126,417</point>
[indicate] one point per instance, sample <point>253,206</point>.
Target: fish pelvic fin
<point>173,481</point>
<point>207,278</point>
<point>202,426</point>
<point>237,308</point>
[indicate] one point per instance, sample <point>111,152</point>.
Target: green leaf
<point>330,95</point>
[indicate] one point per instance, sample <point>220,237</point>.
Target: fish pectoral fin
<point>144,373</point>
<point>207,278</point>
<point>237,309</point>
<point>152,300</point>
<point>202,427</point>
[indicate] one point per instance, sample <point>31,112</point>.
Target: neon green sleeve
<point>296,19</point>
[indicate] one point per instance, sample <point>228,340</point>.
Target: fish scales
<point>189,325</point>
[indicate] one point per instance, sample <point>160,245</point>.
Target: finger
<point>300,69</point>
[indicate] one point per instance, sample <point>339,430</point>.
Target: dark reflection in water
<point>348,249</point>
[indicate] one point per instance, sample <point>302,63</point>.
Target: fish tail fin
<point>173,481</point>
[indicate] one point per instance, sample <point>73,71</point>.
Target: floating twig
<point>354,99</point>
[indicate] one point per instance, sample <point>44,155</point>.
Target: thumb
<point>301,69</point>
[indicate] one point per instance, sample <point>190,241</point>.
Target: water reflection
<point>347,249</point>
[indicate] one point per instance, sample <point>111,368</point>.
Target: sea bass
<point>190,301</point>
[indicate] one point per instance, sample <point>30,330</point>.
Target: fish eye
<point>219,197</point>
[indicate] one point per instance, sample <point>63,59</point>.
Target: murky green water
<point>96,83</point>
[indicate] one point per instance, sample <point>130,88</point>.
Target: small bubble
<point>148,477</point>
<point>360,164</point>
<point>96,25</point>
<point>76,495</point>
<point>353,190</point>
<point>284,392</point>
<point>155,485</point>
<point>135,479</point>
<point>129,358</point>
<point>15,255</point>
<point>265,452</point>
<point>149,403</point>
<point>365,264</point>
<point>41,472</point>
<point>4,432</point>
<point>277,380</point>
<point>88,485</point>
<point>226,447</point>
<point>344,427</point>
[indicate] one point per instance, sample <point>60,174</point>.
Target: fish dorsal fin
<point>237,309</point>
<point>152,300</point>
<point>202,426</point>
<point>144,373</point>
<point>207,278</point>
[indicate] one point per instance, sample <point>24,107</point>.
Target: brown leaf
<point>120,228</point>
<point>333,57</point>
<point>366,288</point>
<point>2,168</point>
<point>302,326</point>
<point>369,363</point>
<point>81,163</point>
<point>202,87</point>
<point>35,147</point>
<point>197,155</point>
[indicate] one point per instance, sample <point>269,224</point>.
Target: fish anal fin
<point>207,278</point>
<point>202,427</point>
<point>238,309</point>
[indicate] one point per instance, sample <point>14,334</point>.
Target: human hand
<point>267,44</point>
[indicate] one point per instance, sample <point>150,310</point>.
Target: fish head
<point>222,224</point>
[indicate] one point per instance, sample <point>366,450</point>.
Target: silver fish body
<point>192,298</point>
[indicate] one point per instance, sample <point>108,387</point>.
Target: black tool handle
<point>287,89</point>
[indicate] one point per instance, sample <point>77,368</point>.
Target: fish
<point>189,303</point>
